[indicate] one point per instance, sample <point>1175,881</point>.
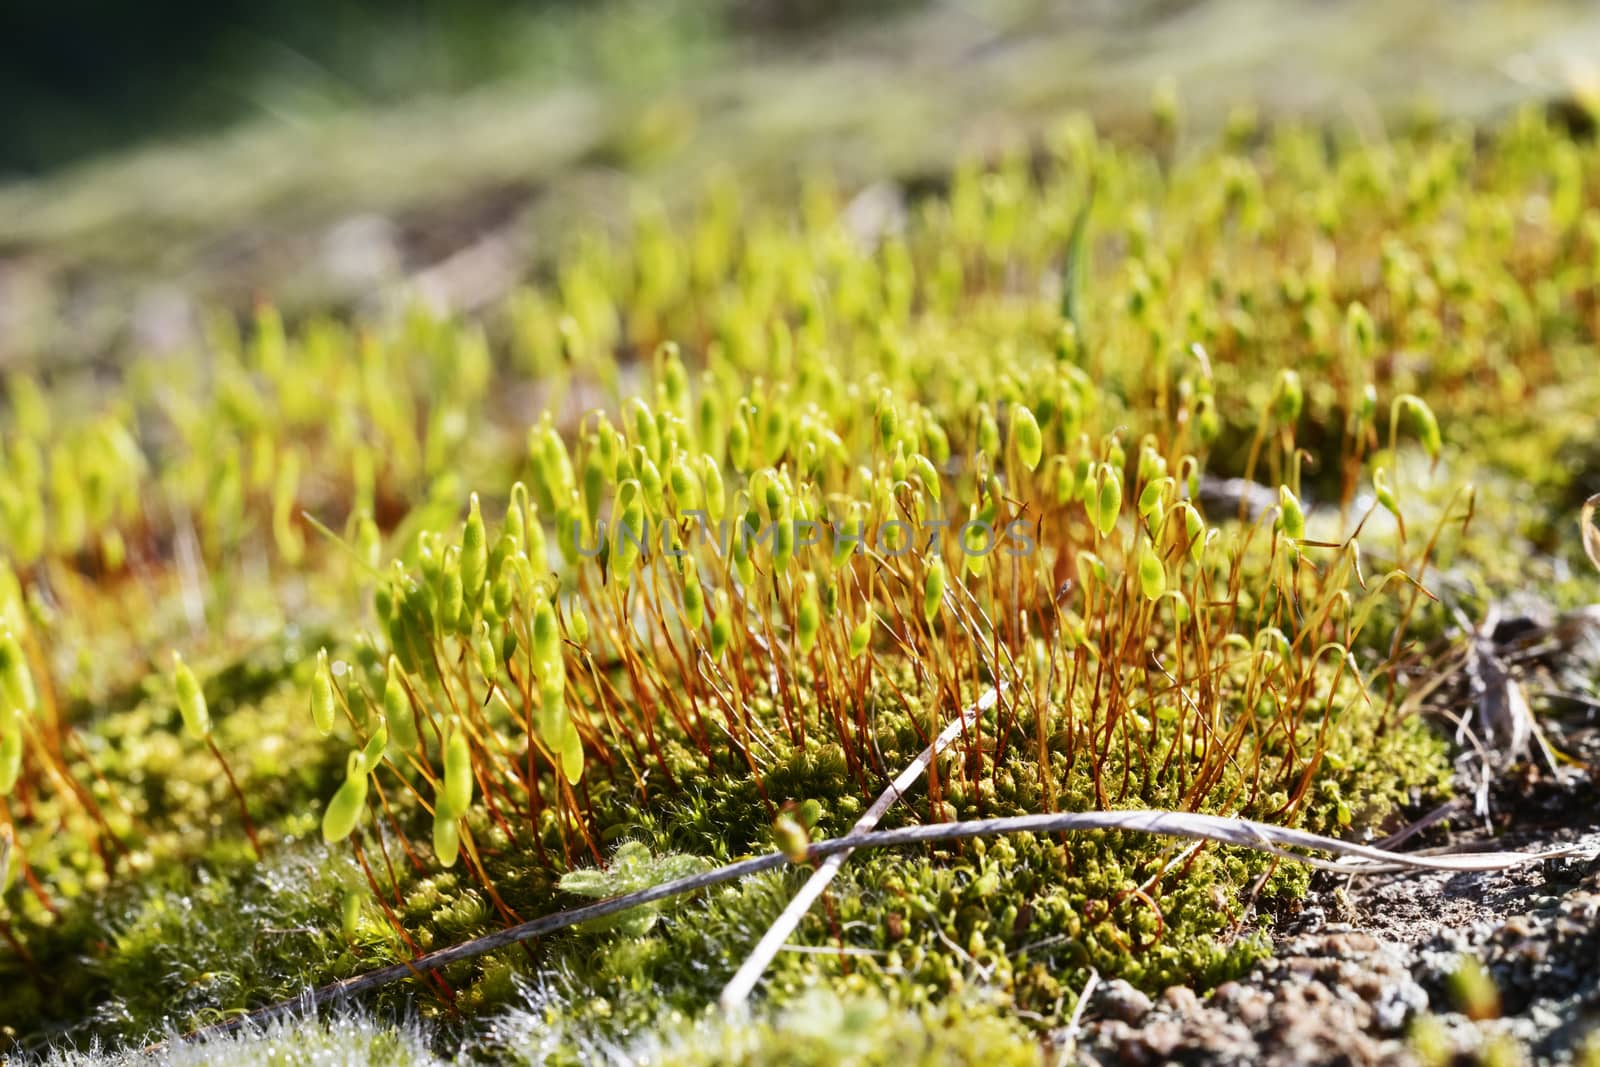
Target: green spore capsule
<point>1108,500</point>
<point>349,802</point>
<point>1152,575</point>
<point>452,595</point>
<point>685,486</point>
<point>861,635</point>
<point>1025,432</point>
<point>1289,397</point>
<point>323,704</point>
<point>712,492</point>
<point>372,753</point>
<point>397,708</point>
<point>1291,516</point>
<point>546,639</point>
<point>988,432</point>
<point>694,600</point>
<point>486,651</point>
<point>808,613</point>
<point>16,680</point>
<point>933,590</point>
<point>791,837</point>
<point>474,562</point>
<point>927,474</point>
<point>458,772</point>
<point>721,624</point>
<point>191,699</point>
<point>571,748</point>
<point>10,751</point>
<point>1414,414</point>
<point>446,837</point>
<point>739,443</point>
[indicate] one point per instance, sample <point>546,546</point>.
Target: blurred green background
<point>160,159</point>
<point>85,77</point>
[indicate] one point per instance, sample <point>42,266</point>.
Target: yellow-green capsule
<point>10,752</point>
<point>578,625</point>
<point>16,680</point>
<point>774,431</point>
<point>709,419</point>
<point>739,443</point>
<point>685,486</point>
<point>515,525</point>
<point>933,590</point>
<point>861,635</point>
<point>546,647</point>
<point>694,599</point>
<point>1207,422</point>
<point>927,474</point>
<point>397,710</point>
<point>1108,500</point>
<point>571,751</point>
<point>597,474</point>
<point>1152,575</point>
<point>937,441</point>
<point>553,479</point>
<point>888,420</point>
<point>629,530</point>
<point>323,705</point>
<point>988,432</point>
<point>446,837</point>
<point>674,378</point>
<point>808,613</point>
<point>372,753</point>
<point>1416,416</point>
<point>1386,495</point>
<point>783,540</point>
<point>452,594</point>
<point>1194,531</point>
<point>458,772</point>
<point>791,837</point>
<point>191,699</point>
<point>721,624</point>
<point>486,651</point>
<point>1150,498</point>
<point>474,553</point>
<point>1025,432</point>
<point>1291,516</point>
<point>711,489</point>
<point>348,803</point>
<point>1289,397</point>
<point>650,484</point>
<point>646,436</point>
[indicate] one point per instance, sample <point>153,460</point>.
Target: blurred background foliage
<point>90,76</point>
<point>157,161</point>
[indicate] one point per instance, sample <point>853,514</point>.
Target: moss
<point>345,1039</point>
<point>857,1024</point>
<point>644,715</point>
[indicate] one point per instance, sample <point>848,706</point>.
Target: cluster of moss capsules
<point>764,498</point>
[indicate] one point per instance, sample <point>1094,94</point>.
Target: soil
<point>1365,971</point>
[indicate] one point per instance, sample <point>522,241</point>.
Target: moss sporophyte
<point>893,537</point>
<point>795,500</point>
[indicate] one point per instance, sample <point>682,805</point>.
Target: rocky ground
<point>1497,968</point>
